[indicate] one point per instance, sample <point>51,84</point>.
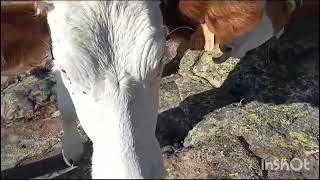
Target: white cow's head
<point>110,55</point>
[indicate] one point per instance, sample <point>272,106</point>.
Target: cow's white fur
<point>110,51</point>
<point>72,143</point>
<point>254,38</point>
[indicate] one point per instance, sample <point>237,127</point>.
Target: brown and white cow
<point>240,26</point>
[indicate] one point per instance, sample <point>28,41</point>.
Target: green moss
<point>189,86</point>
<point>280,142</point>
<point>242,155</point>
<point>294,110</point>
<point>303,140</point>
<point>241,130</point>
<point>187,61</point>
<point>214,73</point>
<point>196,137</point>
<point>252,117</point>
<point>214,130</point>
<point>28,113</point>
<point>169,96</point>
<point>226,121</point>
<point>297,141</point>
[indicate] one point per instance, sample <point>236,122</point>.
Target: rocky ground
<point>215,120</point>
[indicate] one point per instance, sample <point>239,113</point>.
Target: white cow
<point>108,64</point>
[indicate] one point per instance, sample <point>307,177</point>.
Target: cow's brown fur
<point>24,38</point>
<point>225,19</point>
<point>230,19</point>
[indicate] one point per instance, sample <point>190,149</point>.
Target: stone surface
<point>246,113</point>
<point>22,98</point>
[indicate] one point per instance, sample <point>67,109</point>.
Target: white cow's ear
<point>44,7</point>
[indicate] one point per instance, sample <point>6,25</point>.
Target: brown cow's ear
<point>24,40</point>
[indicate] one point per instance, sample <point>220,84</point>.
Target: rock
<point>215,74</point>
<point>267,131</point>
<point>6,81</point>
<point>237,116</point>
<point>167,149</point>
<point>246,135</point>
<point>178,109</point>
<point>263,124</point>
<point>210,160</point>
<point>169,93</point>
<point>22,98</point>
<point>56,114</point>
<point>15,106</point>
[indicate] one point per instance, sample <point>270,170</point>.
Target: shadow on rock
<point>52,166</point>
<point>281,71</point>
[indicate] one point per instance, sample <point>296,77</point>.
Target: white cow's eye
<point>66,77</point>
<point>159,68</point>
<point>162,58</point>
